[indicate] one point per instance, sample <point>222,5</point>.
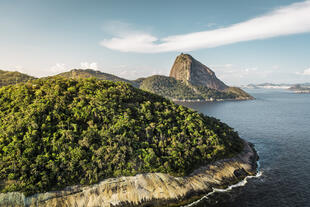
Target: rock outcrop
<point>150,189</point>
<point>187,69</point>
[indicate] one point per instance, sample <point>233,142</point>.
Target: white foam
<point>240,184</point>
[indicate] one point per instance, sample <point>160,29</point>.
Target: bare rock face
<point>149,189</point>
<point>187,69</point>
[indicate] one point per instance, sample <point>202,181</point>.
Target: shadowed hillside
<point>8,78</point>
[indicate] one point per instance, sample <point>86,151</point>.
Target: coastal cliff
<point>150,189</point>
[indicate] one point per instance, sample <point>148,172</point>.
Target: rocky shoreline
<point>149,189</point>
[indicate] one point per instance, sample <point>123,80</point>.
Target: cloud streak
<point>292,19</point>
<point>305,72</point>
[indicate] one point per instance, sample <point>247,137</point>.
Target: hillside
<point>8,77</point>
<point>178,90</point>
<point>168,87</point>
<point>238,93</point>
<point>165,86</point>
<point>57,132</point>
<point>89,73</point>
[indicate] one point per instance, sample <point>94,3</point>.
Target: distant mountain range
<point>293,87</point>
<point>189,80</point>
<point>301,88</point>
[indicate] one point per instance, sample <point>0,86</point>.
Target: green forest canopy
<point>56,132</point>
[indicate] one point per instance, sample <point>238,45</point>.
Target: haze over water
<point>278,123</point>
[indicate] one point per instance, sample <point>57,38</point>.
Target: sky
<point>242,41</point>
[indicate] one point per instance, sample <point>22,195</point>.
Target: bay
<point>278,123</point>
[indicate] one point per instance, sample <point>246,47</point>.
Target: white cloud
<point>292,19</point>
<point>62,67</point>
<point>235,74</point>
<point>18,68</point>
<point>58,68</point>
<point>305,72</point>
<point>87,65</point>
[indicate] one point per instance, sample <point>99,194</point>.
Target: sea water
<point>278,123</point>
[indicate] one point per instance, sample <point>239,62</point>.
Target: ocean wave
<point>239,184</point>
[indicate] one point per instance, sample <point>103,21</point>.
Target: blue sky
<point>242,41</point>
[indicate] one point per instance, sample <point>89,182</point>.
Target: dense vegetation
<point>238,93</point>
<point>209,93</point>
<point>174,89</point>
<point>56,132</point>
<point>8,78</point>
<point>169,88</point>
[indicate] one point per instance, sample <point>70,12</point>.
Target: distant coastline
<point>210,100</point>
<point>302,91</point>
<point>287,86</point>
<point>151,189</point>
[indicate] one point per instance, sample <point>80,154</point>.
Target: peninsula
<point>91,142</point>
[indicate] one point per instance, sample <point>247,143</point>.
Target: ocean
<point>277,122</point>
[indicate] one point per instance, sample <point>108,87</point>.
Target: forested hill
<point>89,73</point>
<point>165,86</point>
<point>57,132</point>
<point>179,90</point>
<point>8,78</point>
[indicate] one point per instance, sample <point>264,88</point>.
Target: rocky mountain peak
<point>188,69</point>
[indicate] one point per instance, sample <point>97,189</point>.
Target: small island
<point>62,138</point>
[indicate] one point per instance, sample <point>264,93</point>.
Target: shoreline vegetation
<point>148,189</point>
